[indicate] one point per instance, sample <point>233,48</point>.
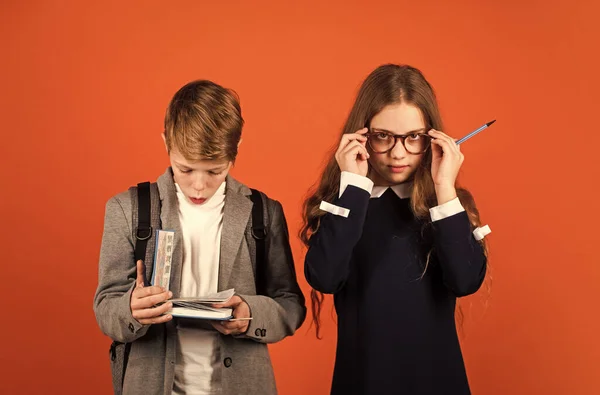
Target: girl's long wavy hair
<point>388,84</point>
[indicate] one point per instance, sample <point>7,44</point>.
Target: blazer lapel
<point>236,214</point>
<point>169,217</point>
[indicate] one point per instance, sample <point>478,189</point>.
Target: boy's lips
<point>198,200</point>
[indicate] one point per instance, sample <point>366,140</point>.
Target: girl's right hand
<point>352,154</point>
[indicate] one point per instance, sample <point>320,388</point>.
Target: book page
<point>219,297</point>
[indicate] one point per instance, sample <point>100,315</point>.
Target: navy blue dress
<point>396,327</point>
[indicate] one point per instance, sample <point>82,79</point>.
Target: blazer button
<point>227,362</point>
<point>131,328</point>
<point>263,333</point>
<point>257,332</point>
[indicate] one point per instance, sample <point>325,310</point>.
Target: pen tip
<point>491,122</point>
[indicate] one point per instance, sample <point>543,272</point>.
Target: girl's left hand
<point>446,160</point>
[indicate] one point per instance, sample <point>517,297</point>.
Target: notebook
<point>195,307</point>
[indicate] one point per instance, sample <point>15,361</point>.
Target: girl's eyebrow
<point>405,134</point>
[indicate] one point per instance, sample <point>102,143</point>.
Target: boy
<point>210,213</point>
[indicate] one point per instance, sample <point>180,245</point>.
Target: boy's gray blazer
<point>245,364</point>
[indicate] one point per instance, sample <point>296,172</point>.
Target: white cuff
<point>335,210</point>
<point>446,210</point>
<point>356,180</point>
<point>481,232</point>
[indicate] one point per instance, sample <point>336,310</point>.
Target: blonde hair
<point>204,122</point>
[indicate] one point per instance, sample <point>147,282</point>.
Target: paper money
<point>163,255</point>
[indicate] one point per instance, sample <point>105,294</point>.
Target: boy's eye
<point>185,171</point>
<point>215,173</point>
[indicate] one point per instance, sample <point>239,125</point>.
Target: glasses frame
<point>396,137</point>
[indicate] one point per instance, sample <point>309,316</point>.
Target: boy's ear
<point>164,137</point>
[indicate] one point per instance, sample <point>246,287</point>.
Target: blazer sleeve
<point>327,261</point>
<point>282,310</point>
<point>116,277</point>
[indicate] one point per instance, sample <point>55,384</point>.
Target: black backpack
<point>148,221</point>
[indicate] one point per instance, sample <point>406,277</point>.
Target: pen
<point>473,133</point>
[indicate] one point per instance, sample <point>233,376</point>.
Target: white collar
<point>403,190</point>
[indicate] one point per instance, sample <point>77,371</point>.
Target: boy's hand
<point>144,299</point>
<point>241,312</point>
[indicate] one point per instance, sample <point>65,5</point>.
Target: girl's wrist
<point>445,193</point>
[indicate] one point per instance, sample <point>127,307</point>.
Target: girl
<point>391,236</point>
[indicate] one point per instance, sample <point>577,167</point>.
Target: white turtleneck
<point>197,356</point>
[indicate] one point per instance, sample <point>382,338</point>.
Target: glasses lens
<point>416,143</point>
<point>381,142</point>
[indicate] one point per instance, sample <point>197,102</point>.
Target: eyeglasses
<point>382,141</point>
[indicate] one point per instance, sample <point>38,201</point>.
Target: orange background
<point>83,91</point>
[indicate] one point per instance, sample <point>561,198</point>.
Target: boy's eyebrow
<point>216,167</point>
<point>181,165</point>
<point>409,132</point>
<point>220,167</point>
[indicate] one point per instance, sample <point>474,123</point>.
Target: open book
<point>200,307</point>
<point>196,307</point>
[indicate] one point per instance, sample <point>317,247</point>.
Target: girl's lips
<point>397,169</point>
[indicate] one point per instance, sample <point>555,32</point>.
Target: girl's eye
<point>414,137</point>
<point>382,136</point>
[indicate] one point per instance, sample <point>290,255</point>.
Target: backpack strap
<point>146,221</point>
<point>259,234</point>
<point>143,230</point>
<point>145,205</point>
